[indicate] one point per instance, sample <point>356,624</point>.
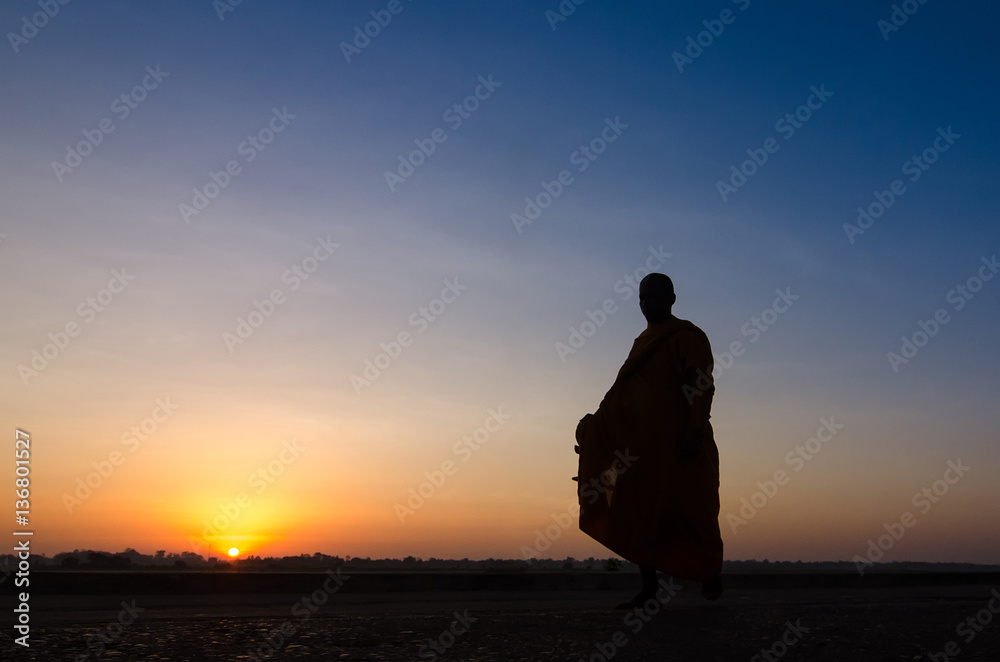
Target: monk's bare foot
<point>637,602</point>
<point>712,589</point>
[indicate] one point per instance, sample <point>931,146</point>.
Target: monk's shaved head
<point>658,283</point>
<point>656,297</point>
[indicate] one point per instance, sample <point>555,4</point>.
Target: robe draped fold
<point>662,511</point>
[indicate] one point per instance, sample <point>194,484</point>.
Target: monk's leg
<point>712,589</point>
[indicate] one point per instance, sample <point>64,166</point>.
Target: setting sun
<point>233,551</point>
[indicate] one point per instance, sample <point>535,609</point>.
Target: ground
<point>809,623</point>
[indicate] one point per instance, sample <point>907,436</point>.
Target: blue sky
<point>655,185</point>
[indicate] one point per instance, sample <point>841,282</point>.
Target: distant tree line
<point>132,560</point>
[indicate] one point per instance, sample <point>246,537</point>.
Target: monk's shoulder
<point>687,330</point>
<point>690,340</point>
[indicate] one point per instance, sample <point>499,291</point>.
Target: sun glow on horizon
<point>234,552</point>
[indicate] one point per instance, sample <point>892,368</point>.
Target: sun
<point>233,551</point>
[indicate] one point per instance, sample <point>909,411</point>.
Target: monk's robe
<point>662,511</point>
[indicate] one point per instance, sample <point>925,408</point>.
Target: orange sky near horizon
<point>272,493</point>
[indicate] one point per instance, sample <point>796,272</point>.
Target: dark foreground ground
<point>787,617</point>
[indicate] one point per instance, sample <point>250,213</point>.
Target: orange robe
<point>662,511</point>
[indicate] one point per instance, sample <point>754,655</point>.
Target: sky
<point>343,277</point>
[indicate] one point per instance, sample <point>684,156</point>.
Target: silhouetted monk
<point>649,466</point>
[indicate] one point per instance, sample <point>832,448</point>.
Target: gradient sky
<point>336,462</point>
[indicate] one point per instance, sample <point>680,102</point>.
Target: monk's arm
<point>580,427</point>
<point>699,387</point>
